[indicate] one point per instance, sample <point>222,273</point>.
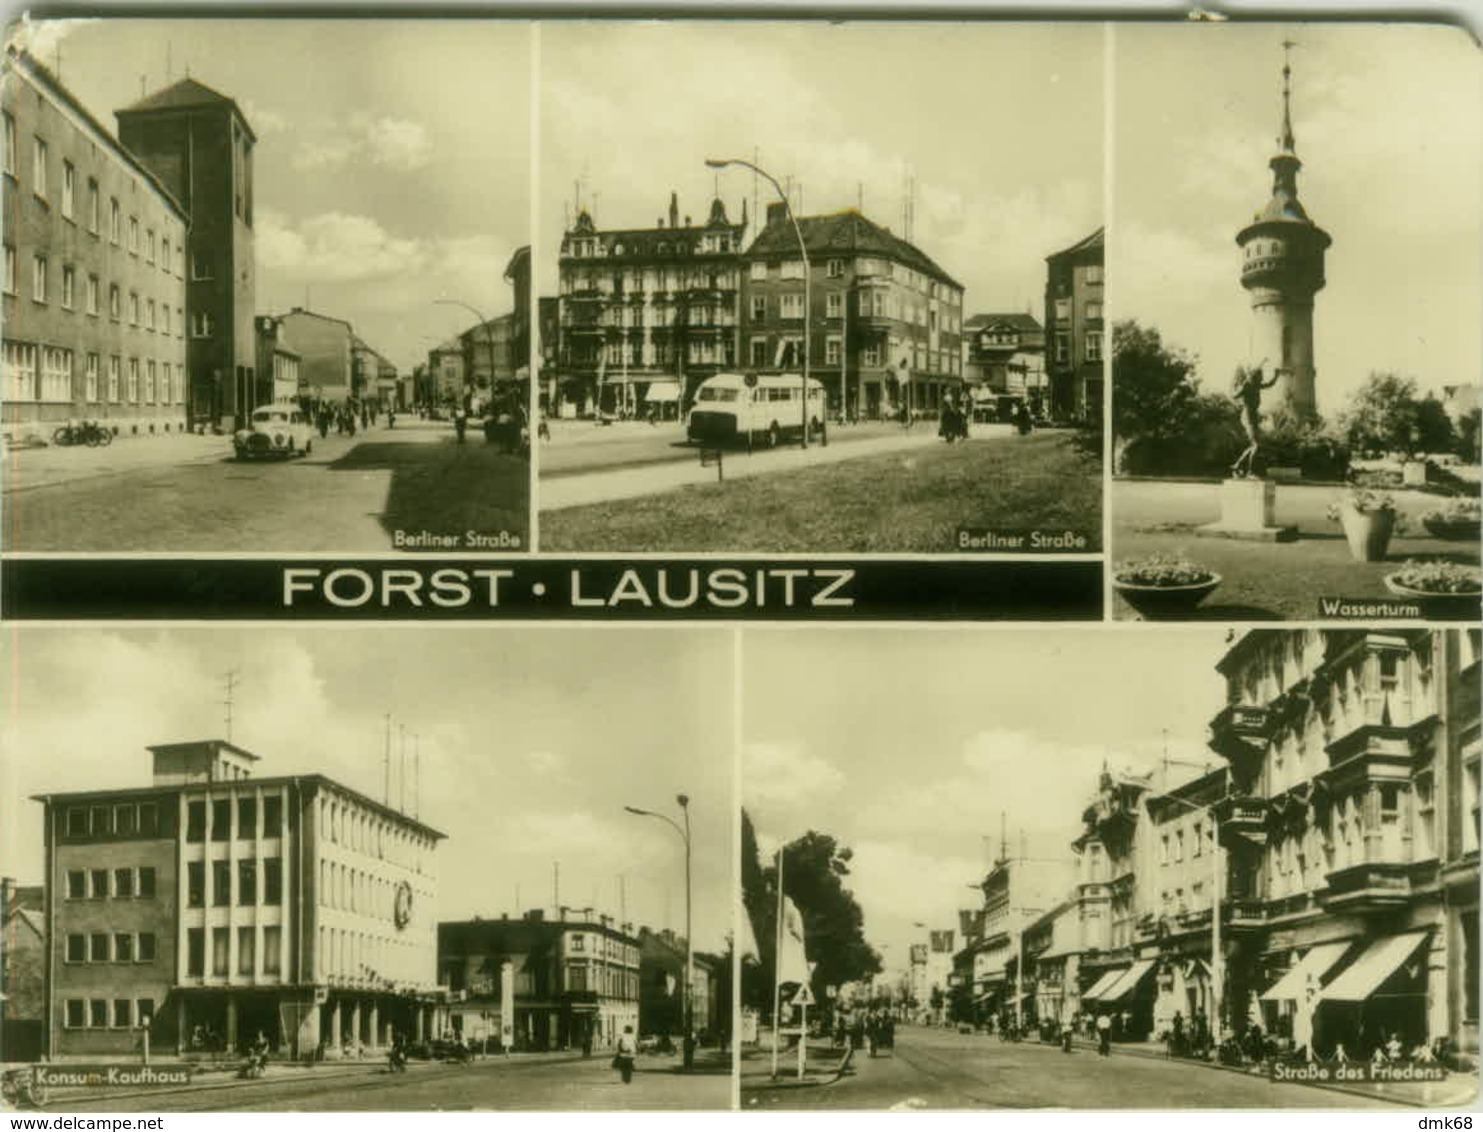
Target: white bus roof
<point>763,379</point>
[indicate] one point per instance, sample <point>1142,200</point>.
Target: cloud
<point>42,37</point>
<point>398,144</point>
<point>783,776</point>
<point>335,247</point>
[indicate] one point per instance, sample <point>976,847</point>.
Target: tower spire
<point>1286,143</point>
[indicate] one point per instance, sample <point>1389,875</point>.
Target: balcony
<point>1243,822</point>
<point>1239,734</point>
<point>1246,915</point>
<point>1370,887</point>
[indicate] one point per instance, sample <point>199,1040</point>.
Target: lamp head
<point>636,810</point>
<point>716,163</point>
<point>683,800</point>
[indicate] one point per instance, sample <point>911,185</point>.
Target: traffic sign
<point>803,997</point>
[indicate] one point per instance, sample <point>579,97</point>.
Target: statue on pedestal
<point>1248,396</point>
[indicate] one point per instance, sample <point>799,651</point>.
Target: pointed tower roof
<point>1285,164</point>
<point>182,95</point>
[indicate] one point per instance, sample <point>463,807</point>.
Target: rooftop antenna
<point>859,196</point>
<point>622,898</point>
<point>231,681</point>
<point>556,883</point>
<point>756,160</point>
<point>1003,837</point>
<point>402,775</point>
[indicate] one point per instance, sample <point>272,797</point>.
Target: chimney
<point>687,220</point>
<point>674,209</point>
<point>777,213</point>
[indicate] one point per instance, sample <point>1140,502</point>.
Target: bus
<point>756,409</point>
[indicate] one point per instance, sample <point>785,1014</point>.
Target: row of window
<point>48,373</point>
<point>107,1014</point>
<point>124,883</point>
<point>246,889</point>
<point>353,826</point>
<point>121,819</point>
<point>142,312</point>
<point>246,951</point>
<point>221,812</point>
<point>1091,346</point>
<point>162,252</point>
<point>110,947</point>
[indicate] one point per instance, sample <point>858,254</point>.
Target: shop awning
<point>1129,981</point>
<point>1377,963</point>
<point>1100,987</point>
<point>1319,961</point>
<point>662,391</point>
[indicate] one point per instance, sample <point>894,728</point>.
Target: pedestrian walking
<point>1104,1034</point>
<point>626,1052</point>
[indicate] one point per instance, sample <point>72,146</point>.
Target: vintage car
<point>274,430</point>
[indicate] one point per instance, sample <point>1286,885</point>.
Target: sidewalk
<point>215,1076</point>
<point>26,468</point>
<point>1458,1090</point>
<point>577,490</point>
<point>825,1065</point>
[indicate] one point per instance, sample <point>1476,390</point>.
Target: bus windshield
<point>712,393</point>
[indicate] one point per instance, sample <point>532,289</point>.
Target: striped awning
<point>1102,985</point>
<point>1376,963</point>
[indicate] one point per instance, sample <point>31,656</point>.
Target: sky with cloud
<point>529,743</point>
<point>393,158</point>
<point>908,746</point>
<point>1001,125</point>
<point>1387,119</point>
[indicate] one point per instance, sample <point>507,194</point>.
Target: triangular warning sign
<point>804,997</point>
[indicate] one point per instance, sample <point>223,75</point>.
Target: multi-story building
<point>536,983</point>
<point>198,143</point>
<point>489,357</point>
<point>662,986</point>
<point>1004,363</point>
<point>324,343</point>
<point>93,301</point>
<point>448,374</point>
<point>646,314</point>
<point>1074,328</point>
<point>1352,828</point>
<point>213,905</point>
<point>278,365</point>
<point>885,322</point>
<point>1017,892</point>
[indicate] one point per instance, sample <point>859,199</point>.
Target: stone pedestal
<point>1247,511</point>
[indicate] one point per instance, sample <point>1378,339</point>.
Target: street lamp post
<point>722,163</point>
<point>484,325</point>
<point>689,1001</point>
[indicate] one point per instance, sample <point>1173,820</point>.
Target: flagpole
<point>777,955</point>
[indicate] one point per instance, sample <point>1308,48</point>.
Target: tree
<point>1161,421</point>
<point>814,869</point>
<point>1386,415</point>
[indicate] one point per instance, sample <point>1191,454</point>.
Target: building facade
<point>214,905</point>
<point>645,314</point>
<point>277,366</point>
<point>94,300</point>
<point>1282,254</point>
<point>1074,323</point>
<point>539,983</point>
<point>885,321</point>
<point>325,347</point>
<point>1004,364</point>
<point>199,145</point>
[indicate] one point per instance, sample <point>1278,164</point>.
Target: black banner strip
<point>548,589</point>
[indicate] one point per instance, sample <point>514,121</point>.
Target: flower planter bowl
<point>1466,605</point>
<point>1162,603</point>
<point>1368,532</point>
<point>1454,530</point>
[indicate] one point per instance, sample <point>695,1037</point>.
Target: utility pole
<point>231,681</point>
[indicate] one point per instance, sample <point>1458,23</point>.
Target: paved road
<point>187,494</point>
<point>537,1083</point>
<point>940,1069</point>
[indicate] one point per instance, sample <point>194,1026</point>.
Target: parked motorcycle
<point>90,433</point>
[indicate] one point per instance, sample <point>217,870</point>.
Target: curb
<point>1152,1055</point>
<point>232,1080</point>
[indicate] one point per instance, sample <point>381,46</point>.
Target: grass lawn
<point>900,503</point>
<point>1267,581</point>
